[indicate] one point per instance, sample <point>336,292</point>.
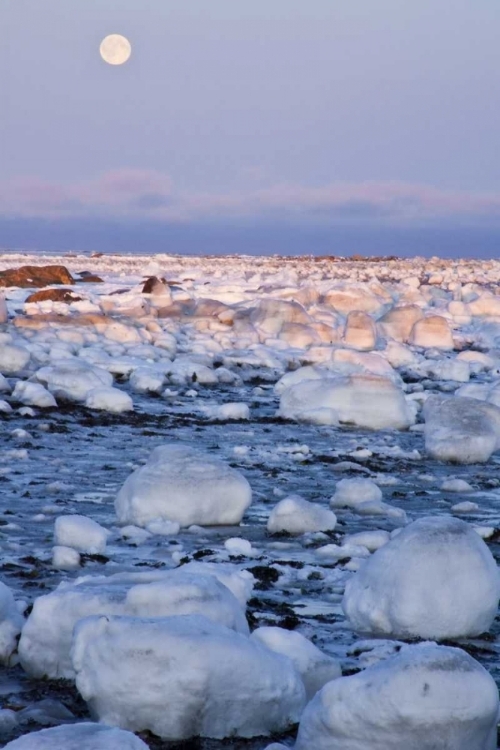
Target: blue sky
<point>322,114</point>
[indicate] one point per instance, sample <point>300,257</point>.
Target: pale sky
<point>326,115</point>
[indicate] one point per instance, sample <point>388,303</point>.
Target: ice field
<point>249,503</point>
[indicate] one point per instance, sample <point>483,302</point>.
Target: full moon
<point>115,49</point>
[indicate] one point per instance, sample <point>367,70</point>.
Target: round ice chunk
<point>315,667</point>
<point>109,399</point>
<point>73,379</point>
<point>44,648</point>
<point>183,677</point>
<point>13,359</point>
<point>179,483</point>
<point>11,623</point>
<point>33,394</point>
<point>365,400</point>
<point>80,533</point>
<point>461,430</point>
<point>424,698</point>
<point>297,516</point>
<point>435,579</point>
<point>87,736</point>
<point>349,493</point>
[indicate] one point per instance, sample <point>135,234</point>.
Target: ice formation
<point>183,677</point>
<point>44,648</point>
<point>315,667</point>
<point>80,533</point>
<point>435,579</point>
<point>85,736</point>
<point>424,698</point>
<point>461,430</point>
<point>11,622</point>
<point>298,516</point>
<point>179,483</point>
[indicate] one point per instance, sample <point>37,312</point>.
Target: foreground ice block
<point>427,697</point>
<point>183,677</point>
<point>86,736</point>
<point>44,648</point>
<point>461,430</point>
<point>179,483</point>
<point>365,400</point>
<point>11,622</point>
<point>436,579</point>
<point>298,516</point>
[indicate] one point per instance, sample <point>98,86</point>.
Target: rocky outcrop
<point>39,276</point>
<point>54,295</point>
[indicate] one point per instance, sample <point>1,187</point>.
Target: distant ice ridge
<point>435,579</point>
<point>180,483</point>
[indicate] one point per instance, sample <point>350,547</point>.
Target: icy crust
<point>183,677</point>
<point>461,430</point>
<point>44,648</point>
<point>86,736</point>
<point>435,579</point>
<point>182,484</point>
<point>364,400</point>
<point>427,697</point>
<point>315,667</point>
<point>11,622</point>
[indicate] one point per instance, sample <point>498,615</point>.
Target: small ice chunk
<point>13,359</point>
<point>456,485</point>
<point>237,546</point>
<point>65,558</point>
<point>80,533</point>
<point>85,736</point>
<point>109,399</point>
<point>295,515</point>
<point>11,622</point>
<point>465,507</point>
<point>349,493</point>
<point>372,540</point>
<point>33,394</point>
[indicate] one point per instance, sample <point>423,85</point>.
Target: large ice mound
<point>11,622</point>
<point>462,430</point>
<point>436,579</point>
<point>427,697</point>
<point>183,677</point>
<point>179,483</point>
<point>365,400</point>
<point>86,736</point>
<point>44,648</point>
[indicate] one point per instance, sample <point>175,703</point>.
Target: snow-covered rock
<point>183,677</point>
<point>315,667</point>
<point>80,533</point>
<point>435,579</point>
<point>179,483</point>
<point>44,648</point>
<point>365,400</point>
<point>13,359</point>
<point>33,394</point>
<point>109,399</point>
<point>73,379</point>
<point>298,516</point>
<point>427,697</point>
<point>11,622</point>
<point>461,430</point>
<point>86,736</point>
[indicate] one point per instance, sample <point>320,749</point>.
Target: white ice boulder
<point>184,677</point>
<point>314,666</point>
<point>179,483</point>
<point>349,493</point>
<point>65,558</point>
<point>461,430</point>
<point>33,394</point>
<point>147,380</point>
<point>360,331</point>
<point>435,579</point>
<point>4,313</point>
<point>427,697</point>
<point>80,533</point>
<point>73,379</point>
<point>295,515</point>
<point>13,359</point>
<point>365,400</point>
<point>11,622</point>
<point>85,736</point>
<point>109,399</point>
<point>44,648</point>
<point>432,333</point>
<point>398,322</point>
